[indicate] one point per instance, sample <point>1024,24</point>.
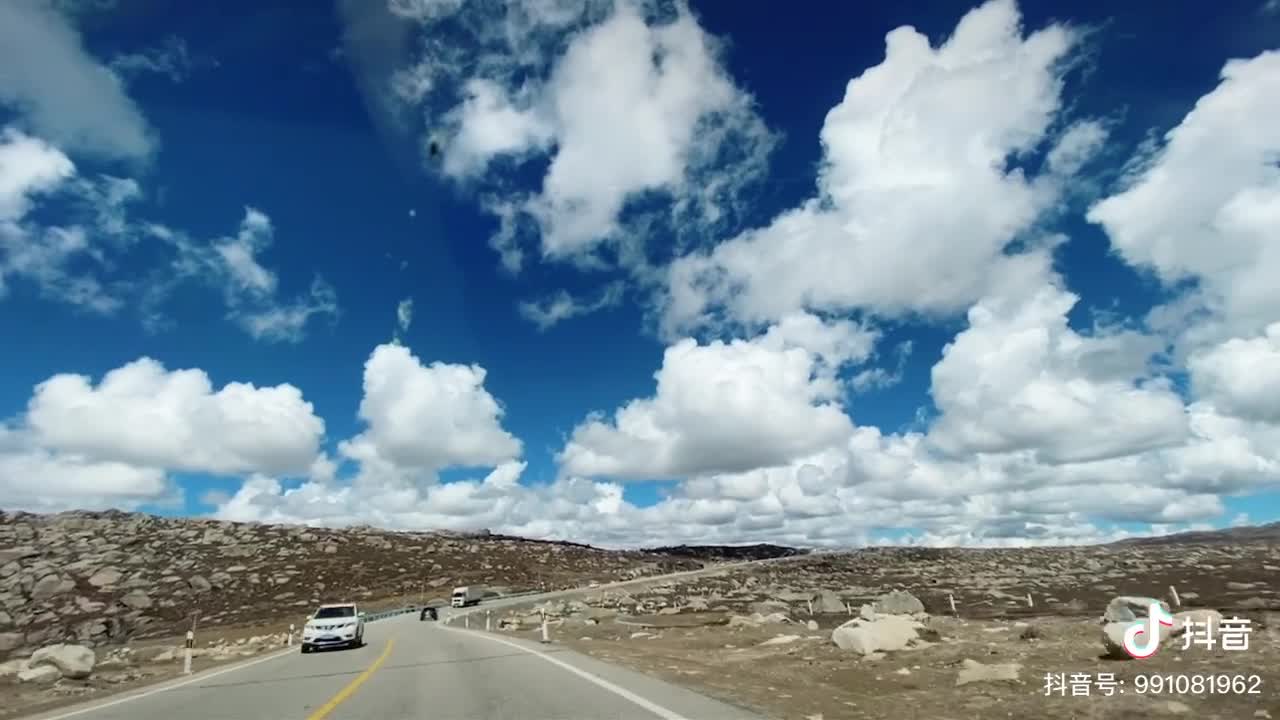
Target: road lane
<point>458,675</point>
<point>412,670</point>
<point>292,686</point>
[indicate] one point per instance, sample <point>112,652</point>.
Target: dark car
<point>428,612</point>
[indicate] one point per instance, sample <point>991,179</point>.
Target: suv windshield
<point>335,612</point>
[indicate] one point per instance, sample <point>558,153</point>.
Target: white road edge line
<point>621,692</point>
<point>198,677</point>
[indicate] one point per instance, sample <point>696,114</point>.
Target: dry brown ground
<point>812,678</point>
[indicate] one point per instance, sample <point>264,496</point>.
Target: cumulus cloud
<point>81,444</point>
<point>1020,378</point>
<point>237,428</point>
<point>724,407</point>
<point>1241,376</point>
<point>1204,205</point>
<point>625,101</point>
<point>919,195</point>
<point>63,93</point>
<point>429,417</point>
<point>550,311</point>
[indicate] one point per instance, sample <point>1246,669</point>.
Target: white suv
<point>333,625</point>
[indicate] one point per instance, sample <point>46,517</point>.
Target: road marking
<point>621,692</point>
<point>198,677</point>
<point>347,691</point>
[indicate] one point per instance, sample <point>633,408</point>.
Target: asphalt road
<point>415,670</point>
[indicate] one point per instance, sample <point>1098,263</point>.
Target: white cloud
<point>1020,378</point>
<point>81,445</point>
<point>250,290</point>
<point>1241,376</point>
<point>28,166</point>
<point>628,102</point>
<point>287,321</point>
<point>915,209</point>
<point>550,311</point>
<point>62,93</point>
<point>1206,205</point>
<point>429,417</point>
<point>723,407</point>
<point>488,125</point>
<point>235,429</point>
<point>37,479</point>
<point>171,59</point>
<point>404,318</point>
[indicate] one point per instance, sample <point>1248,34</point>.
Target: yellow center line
<point>355,684</point>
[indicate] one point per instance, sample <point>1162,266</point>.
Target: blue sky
<point>744,238</point>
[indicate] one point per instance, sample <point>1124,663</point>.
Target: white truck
<point>338,624</point>
<point>466,595</point>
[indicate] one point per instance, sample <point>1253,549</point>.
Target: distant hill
<point>761,551</point>
<point>1269,533</point>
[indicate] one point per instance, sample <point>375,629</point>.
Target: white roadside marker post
<point>546,637</point>
<point>186,656</point>
<point>1176,600</point>
<point>1030,603</point>
<point>466,621</point>
<point>487,619</point>
<point>952,600</point>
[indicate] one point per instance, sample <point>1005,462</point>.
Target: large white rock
<point>72,661</point>
<point>1127,608</point>
<point>885,633</point>
<point>42,675</point>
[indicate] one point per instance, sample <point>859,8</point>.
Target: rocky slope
<point>96,578</point>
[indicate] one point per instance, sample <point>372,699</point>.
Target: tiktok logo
<point>1142,639</point>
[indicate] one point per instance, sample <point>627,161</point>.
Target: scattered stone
<point>780,640</point>
<point>972,671</point>
<point>898,602</point>
<point>106,576</point>
<point>137,600</point>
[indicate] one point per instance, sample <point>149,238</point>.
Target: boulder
<point>199,584</point>
<point>886,633</point>
<point>1127,608</point>
<point>828,603</point>
<point>105,576</point>
<point>11,641</point>
<point>72,661</point>
<point>898,602</point>
<point>137,600</point>
<point>51,586</point>
<point>42,675</point>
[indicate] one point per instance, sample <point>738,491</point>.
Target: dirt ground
<point>810,678</point>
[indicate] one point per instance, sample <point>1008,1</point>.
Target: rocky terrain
<point>98,579</point>
<point>871,634</point>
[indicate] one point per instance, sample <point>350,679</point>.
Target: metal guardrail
<point>371,617</point>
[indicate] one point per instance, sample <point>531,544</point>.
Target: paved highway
<point>414,670</point>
